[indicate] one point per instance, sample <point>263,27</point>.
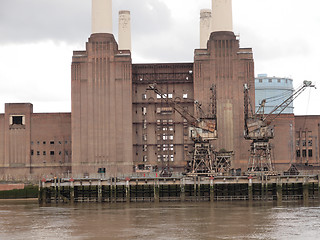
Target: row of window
<point>50,142</point>
<point>304,153</point>
<point>304,143</point>
<point>165,95</point>
<point>271,80</point>
<point>44,153</point>
<point>165,158</point>
<point>160,158</point>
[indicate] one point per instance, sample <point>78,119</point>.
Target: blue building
<point>275,90</point>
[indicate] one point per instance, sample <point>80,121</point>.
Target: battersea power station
<point>157,118</point>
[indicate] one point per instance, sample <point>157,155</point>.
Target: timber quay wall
<point>142,189</point>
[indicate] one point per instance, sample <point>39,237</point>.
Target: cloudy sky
<point>37,38</point>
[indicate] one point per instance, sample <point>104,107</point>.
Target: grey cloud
<point>36,20</point>
<point>70,20</point>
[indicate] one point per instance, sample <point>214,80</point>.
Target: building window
<point>60,153</point>
<point>159,158</point>
<point>298,142</point>
<point>170,95</point>
<point>165,147</point>
<point>145,148</point>
<point>66,153</point>
<point>38,153</point>
<point>304,153</point>
<point>310,142</point>
<point>260,80</point>
<point>165,110</point>
<point>44,153</point>
<point>270,80</point>
<point>144,110</point>
<point>31,152</point>
<point>310,153</point>
<point>185,95</point>
<point>144,137</point>
<point>52,142</point>
<point>17,120</point>
<point>303,143</point>
<point>144,96</point>
<point>44,142</point>
<point>145,158</point>
<point>59,142</point>
<point>144,124</point>
<point>279,80</point>
<point>51,153</point>
<point>298,153</point>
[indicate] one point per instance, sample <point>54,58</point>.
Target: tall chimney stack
<point>101,16</point>
<point>221,16</point>
<point>205,27</point>
<point>124,36</point>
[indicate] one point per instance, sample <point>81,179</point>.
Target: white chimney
<point>221,16</point>
<point>124,36</point>
<point>101,16</point>
<point>205,30</point>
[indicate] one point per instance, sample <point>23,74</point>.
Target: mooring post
<point>182,190</point>
<point>250,188</point>
<point>114,190</point>
<point>195,187</point>
<point>211,189</point>
<point>40,193</point>
<point>156,194</point>
<point>199,188</point>
<point>279,191</point>
<point>127,190</point>
<point>71,191</point>
<point>305,190</point>
<point>99,191</point>
<point>55,190</point>
<point>59,190</point>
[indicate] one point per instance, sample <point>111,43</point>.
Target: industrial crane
<point>258,129</point>
<point>202,131</point>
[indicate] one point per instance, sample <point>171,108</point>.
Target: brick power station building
<point>117,126</point>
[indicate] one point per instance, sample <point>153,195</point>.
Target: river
<point>221,220</point>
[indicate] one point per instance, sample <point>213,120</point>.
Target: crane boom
<point>202,128</point>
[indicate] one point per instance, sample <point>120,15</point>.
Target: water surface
<point>220,220</point>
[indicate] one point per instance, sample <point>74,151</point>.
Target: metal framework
<point>203,157</point>
<point>258,129</point>
<point>202,131</point>
<point>260,158</point>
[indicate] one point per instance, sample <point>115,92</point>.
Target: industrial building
<point>274,90</point>
<point>120,125</point>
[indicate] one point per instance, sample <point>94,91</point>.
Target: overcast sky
<point>37,38</point>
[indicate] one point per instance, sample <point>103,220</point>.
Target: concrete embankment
<point>18,191</point>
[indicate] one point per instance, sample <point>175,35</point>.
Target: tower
<point>227,67</point>
<point>101,101</point>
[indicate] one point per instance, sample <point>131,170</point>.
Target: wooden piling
<point>156,193</point>
<point>279,191</point>
<point>211,190</point>
<point>250,189</point>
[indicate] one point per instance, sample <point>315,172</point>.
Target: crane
<point>258,129</point>
<point>202,131</point>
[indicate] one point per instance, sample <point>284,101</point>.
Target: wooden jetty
<point>160,189</point>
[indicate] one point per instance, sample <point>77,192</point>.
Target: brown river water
<point>220,220</point>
